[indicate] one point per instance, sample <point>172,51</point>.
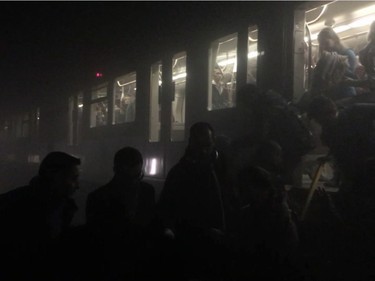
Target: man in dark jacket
<point>125,199</point>
<point>35,216</point>
<point>191,205</point>
<point>119,215</point>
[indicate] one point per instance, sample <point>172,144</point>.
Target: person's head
<point>201,141</point>
<point>371,33</point>
<point>60,171</point>
<point>217,74</point>
<point>128,164</point>
<point>329,40</point>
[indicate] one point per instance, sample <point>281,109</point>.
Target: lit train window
<point>252,55</point>
<point>178,104</point>
<point>223,70</point>
<point>155,108</point>
<point>124,98</point>
<point>351,22</point>
<point>99,106</point>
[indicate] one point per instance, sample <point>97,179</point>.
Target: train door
<point>349,19</point>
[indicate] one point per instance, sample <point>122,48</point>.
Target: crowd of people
<point>224,212</point>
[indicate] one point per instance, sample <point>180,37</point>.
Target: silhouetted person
<point>118,215</point>
<point>34,217</point>
<point>268,237</point>
<point>191,205</point>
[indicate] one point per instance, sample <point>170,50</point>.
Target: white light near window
<point>80,105</point>
<point>341,28</point>
<point>362,22</point>
<point>178,76</point>
<point>153,167</point>
<point>122,85</point>
<point>252,55</point>
<point>226,62</point>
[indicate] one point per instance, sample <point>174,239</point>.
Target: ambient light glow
<point>357,23</point>
<point>178,76</point>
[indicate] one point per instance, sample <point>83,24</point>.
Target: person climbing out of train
<point>34,218</point>
<point>119,214</point>
<point>336,64</point>
<point>268,116</point>
<point>191,204</point>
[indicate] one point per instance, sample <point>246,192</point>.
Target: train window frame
<point>131,103</point>
<point>155,118</point>
<point>251,74</point>
<point>215,67</point>
<point>177,128</point>
<point>99,101</point>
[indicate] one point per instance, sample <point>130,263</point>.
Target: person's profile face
<point>66,182</point>
<point>217,75</point>
<point>203,145</point>
<point>326,43</point>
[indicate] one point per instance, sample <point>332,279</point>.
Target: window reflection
<point>178,104</point>
<point>124,99</point>
<point>252,55</point>
<point>223,68</point>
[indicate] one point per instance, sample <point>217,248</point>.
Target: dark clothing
<point>118,216</point>
<point>219,100</point>
<point>121,203</point>
<point>191,205</point>
<point>192,197</point>
<point>32,221</point>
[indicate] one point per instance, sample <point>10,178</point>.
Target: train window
<point>351,22</point>
<point>155,108</point>
<point>99,106</point>
<point>222,76</point>
<point>252,55</point>
<point>124,98</point>
<point>75,118</point>
<point>178,104</point>
<point>99,92</point>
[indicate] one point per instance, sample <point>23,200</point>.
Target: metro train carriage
<point>151,96</point>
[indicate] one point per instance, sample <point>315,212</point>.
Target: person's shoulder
<point>99,192</point>
<point>348,52</point>
<point>15,197</point>
<point>147,186</point>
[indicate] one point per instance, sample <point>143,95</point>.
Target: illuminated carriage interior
<point>350,20</point>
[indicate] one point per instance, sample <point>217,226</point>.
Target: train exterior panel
<point>149,97</point>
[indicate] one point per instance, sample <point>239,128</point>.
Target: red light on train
<point>98,74</point>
